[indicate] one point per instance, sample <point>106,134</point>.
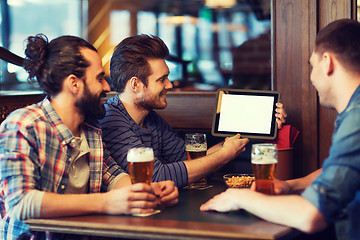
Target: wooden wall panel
<point>293,35</point>
<point>188,111</point>
<point>296,24</point>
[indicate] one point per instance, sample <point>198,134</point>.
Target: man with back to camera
<point>52,160</point>
<point>140,76</point>
<point>331,194</point>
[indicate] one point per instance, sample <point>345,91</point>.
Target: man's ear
<point>73,83</point>
<point>328,63</point>
<point>135,84</point>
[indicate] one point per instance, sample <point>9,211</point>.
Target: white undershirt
<point>79,170</point>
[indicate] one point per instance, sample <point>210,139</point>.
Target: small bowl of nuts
<point>238,180</point>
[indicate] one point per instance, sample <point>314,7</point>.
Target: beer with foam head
<point>264,160</point>
<point>264,176</point>
<point>196,147</point>
<point>140,165</point>
<point>193,153</point>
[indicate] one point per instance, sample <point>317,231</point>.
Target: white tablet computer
<point>248,112</point>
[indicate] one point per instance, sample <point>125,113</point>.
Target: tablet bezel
<point>273,131</point>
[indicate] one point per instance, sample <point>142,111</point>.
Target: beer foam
<point>196,148</point>
<point>140,155</point>
<point>263,160</point>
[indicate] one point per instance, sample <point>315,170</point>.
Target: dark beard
<point>90,105</point>
<point>151,104</point>
<point>148,106</point>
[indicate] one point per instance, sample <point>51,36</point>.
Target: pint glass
<point>196,147</point>
<point>264,158</point>
<point>140,164</point>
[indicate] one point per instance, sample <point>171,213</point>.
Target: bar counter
<point>183,221</point>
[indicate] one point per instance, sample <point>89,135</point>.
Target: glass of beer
<point>140,164</point>
<point>196,147</point>
<point>264,158</point>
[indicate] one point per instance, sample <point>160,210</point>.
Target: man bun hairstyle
<point>51,62</point>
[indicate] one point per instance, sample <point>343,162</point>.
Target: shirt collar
<point>117,103</point>
<point>64,132</point>
<point>355,99</point>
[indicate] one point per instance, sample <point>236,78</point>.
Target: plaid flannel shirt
<point>35,150</point>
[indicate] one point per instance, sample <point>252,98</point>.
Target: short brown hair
<point>341,37</point>
<point>130,59</point>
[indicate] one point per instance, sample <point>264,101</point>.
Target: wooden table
<point>184,221</point>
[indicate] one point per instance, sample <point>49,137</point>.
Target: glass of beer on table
<point>196,147</point>
<point>264,157</point>
<point>140,164</point>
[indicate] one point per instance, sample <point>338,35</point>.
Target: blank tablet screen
<point>248,112</point>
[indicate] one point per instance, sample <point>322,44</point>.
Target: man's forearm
<point>215,148</point>
<point>290,210</point>
<point>298,185</point>
<point>59,205</point>
<point>203,166</point>
<point>123,181</point>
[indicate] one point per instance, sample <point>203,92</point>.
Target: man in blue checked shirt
<point>330,194</point>
<point>52,160</point>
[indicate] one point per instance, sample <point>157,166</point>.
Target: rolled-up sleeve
<point>16,164</point>
<point>333,190</point>
<point>336,187</point>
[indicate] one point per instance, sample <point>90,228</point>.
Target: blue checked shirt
<point>35,150</point>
